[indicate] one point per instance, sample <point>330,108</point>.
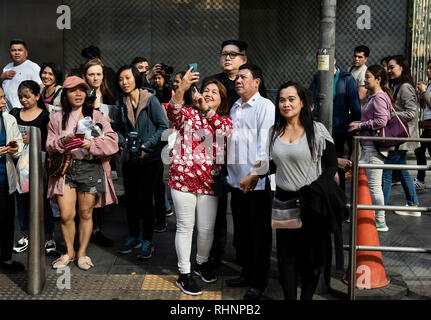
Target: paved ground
<point>117,276</point>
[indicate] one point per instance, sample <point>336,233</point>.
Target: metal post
<point>325,62</point>
<point>36,255</point>
<point>354,223</point>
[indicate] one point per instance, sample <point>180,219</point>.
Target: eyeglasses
<point>232,55</point>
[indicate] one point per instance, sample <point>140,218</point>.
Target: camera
<point>167,69</point>
<point>90,96</point>
<point>132,147</point>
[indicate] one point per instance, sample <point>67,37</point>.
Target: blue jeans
<point>399,157</point>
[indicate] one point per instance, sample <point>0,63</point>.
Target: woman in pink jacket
<point>88,177</point>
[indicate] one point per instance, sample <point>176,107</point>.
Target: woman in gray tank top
<point>302,150</point>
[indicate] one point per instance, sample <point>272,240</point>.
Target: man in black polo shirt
<point>232,56</point>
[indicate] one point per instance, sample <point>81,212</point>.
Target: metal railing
<point>355,206</point>
<point>36,255</point>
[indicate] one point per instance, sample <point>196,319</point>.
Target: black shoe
<point>160,227</point>
<point>253,294</point>
<point>188,285</point>
<point>13,267</point>
<point>237,282</point>
<point>169,212</point>
<point>205,271</point>
<point>99,239</point>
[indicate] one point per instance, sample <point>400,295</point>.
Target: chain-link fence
<point>283,36</point>
<point>173,32</point>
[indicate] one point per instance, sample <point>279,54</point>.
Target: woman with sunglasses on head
<point>402,85</point>
<point>10,147</point>
<point>87,182</point>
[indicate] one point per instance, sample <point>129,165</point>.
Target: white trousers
<point>188,207</point>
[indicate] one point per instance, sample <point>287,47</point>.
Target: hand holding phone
<point>194,66</point>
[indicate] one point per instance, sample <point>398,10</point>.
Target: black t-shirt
<point>40,122</point>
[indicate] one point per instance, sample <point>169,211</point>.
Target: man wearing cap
<point>17,71</point>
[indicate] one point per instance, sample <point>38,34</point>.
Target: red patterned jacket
<point>199,150</point>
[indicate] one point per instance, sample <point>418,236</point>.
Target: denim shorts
<point>86,176</point>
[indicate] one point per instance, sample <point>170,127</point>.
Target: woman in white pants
<point>197,156</point>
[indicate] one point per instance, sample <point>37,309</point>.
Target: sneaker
<point>188,285</point>
<point>22,245</point>
<point>50,246</point>
<point>12,267</point>
<point>169,212</point>
<point>396,183</point>
<point>381,226</point>
<point>206,273</point>
<point>408,213</point>
<point>130,244</point>
<point>114,175</point>
<point>160,227</point>
<point>146,251</point>
<point>99,239</point>
<point>419,185</point>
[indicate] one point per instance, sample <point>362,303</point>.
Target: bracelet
<point>206,111</point>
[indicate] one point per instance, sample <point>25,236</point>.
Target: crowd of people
<point>227,137</point>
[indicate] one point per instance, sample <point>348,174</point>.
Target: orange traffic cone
<point>370,272</point>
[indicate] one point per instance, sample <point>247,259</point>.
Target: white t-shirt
<point>27,70</point>
<point>359,76</point>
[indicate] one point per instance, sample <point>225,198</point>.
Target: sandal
<point>85,263</point>
<point>62,262</point>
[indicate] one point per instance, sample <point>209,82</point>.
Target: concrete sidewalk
<point>119,276</point>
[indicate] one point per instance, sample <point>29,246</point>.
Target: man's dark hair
<point>56,70</point>
<point>139,60</point>
<point>240,44</point>
<point>17,41</point>
<point>363,49</point>
<point>91,52</point>
<point>254,69</point>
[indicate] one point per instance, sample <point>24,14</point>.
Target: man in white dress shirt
<point>17,71</point>
<point>253,118</point>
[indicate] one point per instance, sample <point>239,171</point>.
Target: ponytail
<point>388,91</point>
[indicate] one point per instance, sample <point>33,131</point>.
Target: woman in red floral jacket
<point>198,155</point>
